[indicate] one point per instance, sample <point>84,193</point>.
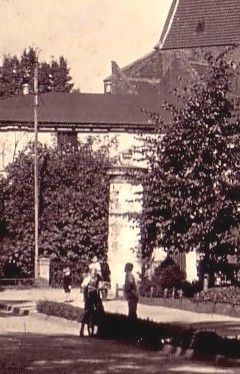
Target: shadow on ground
<point>38,354</point>
<point>222,328</point>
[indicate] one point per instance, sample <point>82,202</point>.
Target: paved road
<point>39,345</point>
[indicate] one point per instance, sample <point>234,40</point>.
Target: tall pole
<point>36,194</point>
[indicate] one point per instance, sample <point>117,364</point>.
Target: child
<point>67,284</point>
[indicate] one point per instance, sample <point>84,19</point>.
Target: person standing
<point>130,290</point>
<point>67,284</point>
<point>95,265</point>
<point>92,301</point>
<point>106,279</point>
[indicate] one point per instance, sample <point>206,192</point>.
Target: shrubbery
<point>228,295</point>
<point>167,275</point>
<point>62,310</point>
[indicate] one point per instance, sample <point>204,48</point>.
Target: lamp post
<point>36,194</point>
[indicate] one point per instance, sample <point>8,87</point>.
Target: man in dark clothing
<point>130,290</point>
<point>106,280</point>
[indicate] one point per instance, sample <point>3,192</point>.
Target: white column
<point>124,234</point>
<point>44,270</point>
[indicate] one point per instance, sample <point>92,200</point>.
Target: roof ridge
<point>167,24</point>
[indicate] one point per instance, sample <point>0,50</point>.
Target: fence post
<point>151,292</point>
<point>205,282</point>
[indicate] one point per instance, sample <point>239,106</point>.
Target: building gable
<point>141,76</point>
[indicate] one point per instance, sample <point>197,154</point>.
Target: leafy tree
<point>15,72</point>
<point>59,76</point>
<point>73,204</point>
<point>191,198</point>
<point>170,276</point>
<point>9,72</point>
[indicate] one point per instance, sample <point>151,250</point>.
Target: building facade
<point>192,28</point>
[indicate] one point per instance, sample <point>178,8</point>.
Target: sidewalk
<point>27,299</point>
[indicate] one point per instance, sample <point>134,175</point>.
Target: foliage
<point>77,269</point>
<point>191,190</point>
<point>73,204</point>
<point>16,71</point>
<point>170,276</point>
<point>167,275</point>
<point>53,308</point>
<point>228,295</point>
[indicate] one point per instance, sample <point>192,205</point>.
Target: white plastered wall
<point>123,235</point>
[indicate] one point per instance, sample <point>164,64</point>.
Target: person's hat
<point>128,266</point>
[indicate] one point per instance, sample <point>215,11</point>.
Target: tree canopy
<point>192,199</point>
<point>17,71</point>
<point>73,204</point>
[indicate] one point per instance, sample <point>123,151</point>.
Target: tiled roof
<point>201,23</point>
<point>84,112</point>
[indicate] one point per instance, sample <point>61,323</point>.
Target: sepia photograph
<point>120,186</point>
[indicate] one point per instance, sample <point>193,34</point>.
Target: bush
<point>229,295</point>
<point>190,289</point>
<point>166,276</point>
<point>170,276</point>
<point>61,310</point>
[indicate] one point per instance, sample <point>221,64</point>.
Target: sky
<point>88,33</point>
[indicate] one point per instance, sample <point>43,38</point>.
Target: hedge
<point>61,310</point>
<point>228,295</point>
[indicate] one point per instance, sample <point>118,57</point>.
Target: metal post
<point>36,201</point>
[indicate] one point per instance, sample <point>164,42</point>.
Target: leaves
<point>15,72</point>
<point>190,200</point>
<point>73,204</point>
